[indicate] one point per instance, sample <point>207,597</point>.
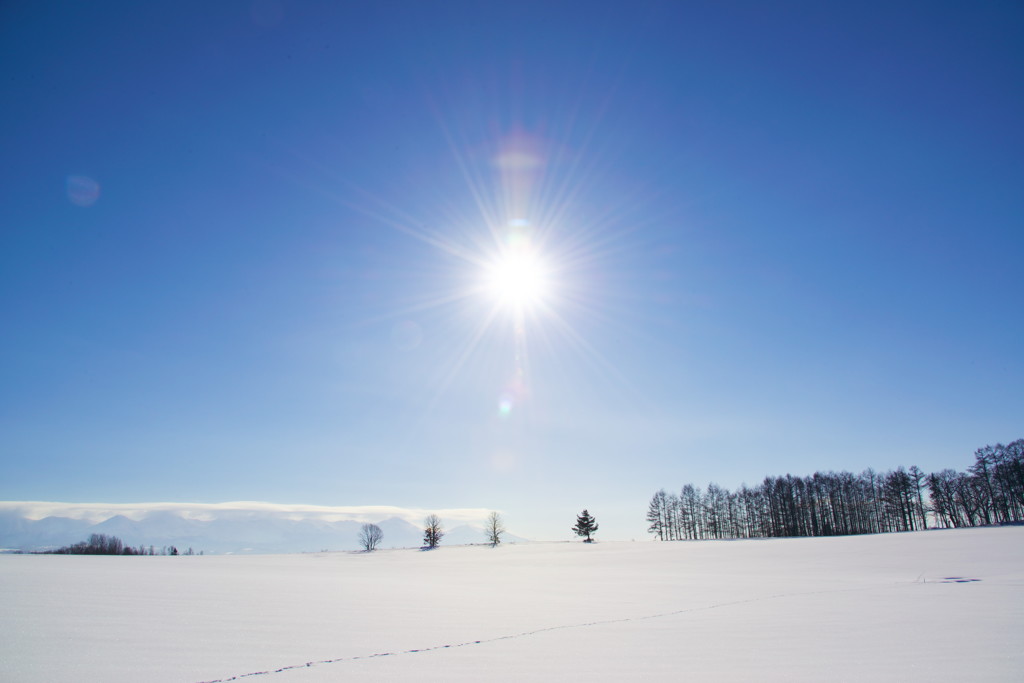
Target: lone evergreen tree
<point>585,525</point>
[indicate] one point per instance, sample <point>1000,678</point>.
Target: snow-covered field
<point>927,606</point>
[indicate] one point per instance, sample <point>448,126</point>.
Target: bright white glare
<point>518,279</point>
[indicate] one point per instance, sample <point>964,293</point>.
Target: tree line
<point>102,544</point>
<point>991,491</point>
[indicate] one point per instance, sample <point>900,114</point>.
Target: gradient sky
<point>241,244</point>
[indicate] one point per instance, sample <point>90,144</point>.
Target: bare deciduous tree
<point>370,536</point>
<point>494,529</point>
<point>838,503</point>
<point>432,531</point>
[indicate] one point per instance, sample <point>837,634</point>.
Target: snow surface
<point>936,606</point>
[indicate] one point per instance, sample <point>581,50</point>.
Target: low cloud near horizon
<point>98,512</point>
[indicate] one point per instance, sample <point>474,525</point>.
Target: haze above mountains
<point>229,531</point>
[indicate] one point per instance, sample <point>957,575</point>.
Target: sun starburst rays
<point>511,276</point>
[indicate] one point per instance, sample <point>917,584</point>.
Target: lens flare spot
<point>82,190</point>
<point>505,405</point>
<point>518,160</point>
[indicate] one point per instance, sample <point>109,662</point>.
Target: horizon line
<point>94,511</point>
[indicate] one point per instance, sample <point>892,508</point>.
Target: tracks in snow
<point>524,634</point>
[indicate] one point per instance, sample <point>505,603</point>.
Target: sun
<point>518,279</point>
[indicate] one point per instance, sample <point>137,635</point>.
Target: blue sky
<point>242,247</point>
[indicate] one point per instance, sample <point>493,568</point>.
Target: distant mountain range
<point>231,531</point>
